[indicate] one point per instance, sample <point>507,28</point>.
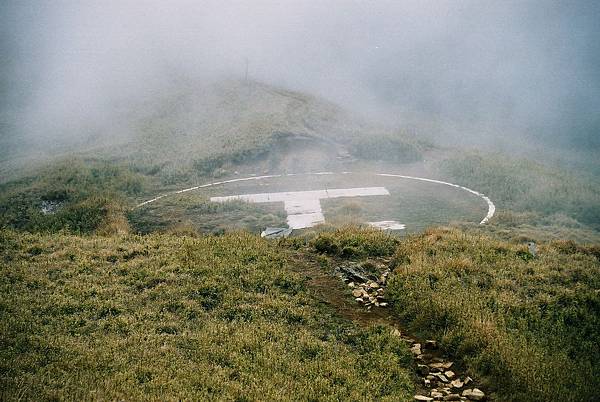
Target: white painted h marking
<point>304,207</point>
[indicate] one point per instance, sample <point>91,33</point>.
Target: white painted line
<point>491,206</point>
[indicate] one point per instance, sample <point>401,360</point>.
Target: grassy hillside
<point>194,129</point>
<point>234,317</point>
<point>528,324</point>
<point>533,200</point>
<point>166,317</point>
<point>89,311</point>
<point>76,196</point>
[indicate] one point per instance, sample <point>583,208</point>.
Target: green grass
<point>169,317</point>
<point>397,148</point>
<point>530,326</point>
<point>201,215</point>
<point>521,185</point>
<point>192,130</point>
<point>353,242</point>
<point>89,196</point>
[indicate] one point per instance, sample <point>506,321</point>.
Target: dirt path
<point>434,373</point>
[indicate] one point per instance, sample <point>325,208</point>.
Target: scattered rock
<point>441,377</point>
<point>352,274</point>
<point>357,292</point>
<point>477,394</point>
<point>457,383</point>
<point>474,394</point>
<point>433,371</point>
<point>416,349</point>
<point>446,365</point>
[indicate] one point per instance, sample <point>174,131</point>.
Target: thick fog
<point>481,71</point>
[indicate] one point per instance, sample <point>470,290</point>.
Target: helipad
<point>388,201</point>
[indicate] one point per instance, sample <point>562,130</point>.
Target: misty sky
<point>522,69</point>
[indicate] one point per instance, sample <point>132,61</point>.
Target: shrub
<point>355,242</point>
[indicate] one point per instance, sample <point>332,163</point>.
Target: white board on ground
<point>388,225</point>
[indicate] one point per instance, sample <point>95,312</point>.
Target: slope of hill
<point>171,317</point>
<point>189,130</point>
<point>236,316</point>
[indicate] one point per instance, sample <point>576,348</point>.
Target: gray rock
<point>457,383</point>
<point>422,398</point>
<point>352,274</point>
<point>416,349</point>
<point>449,374</point>
<point>452,397</point>
<point>442,365</point>
<point>474,394</point>
<point>441,377</point>
<point>477,395</point>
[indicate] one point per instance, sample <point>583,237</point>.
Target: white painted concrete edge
<point>490,204</point>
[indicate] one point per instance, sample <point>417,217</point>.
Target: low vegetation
<point>171,317</point>
<point>528,324</point>
<point>520,185</point>
<point>397,148</point>
<point>75,196</point>
<point>204,216</point>
<point>352,242</point>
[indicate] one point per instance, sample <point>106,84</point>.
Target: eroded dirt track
<point>436,377</point>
